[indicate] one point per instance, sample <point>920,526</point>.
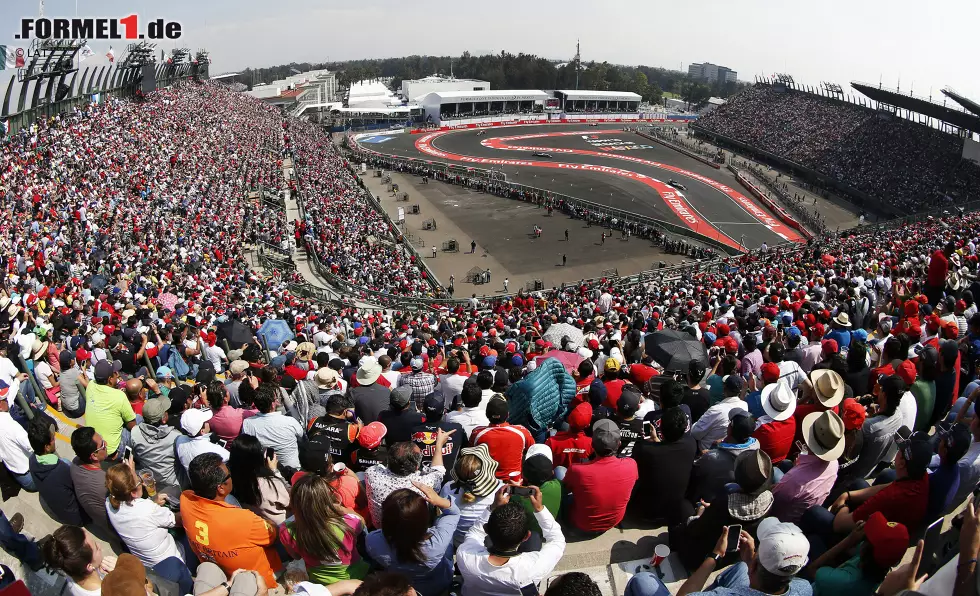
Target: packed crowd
<point>909,166</point>
<point>822,420</point>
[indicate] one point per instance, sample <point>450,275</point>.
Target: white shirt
<point>392,376</point>
<point>791,373</point>
<point>143,528</point>
<point>481,578</point>
<point>216,355</point>
<point>468,512</point>
<point>15,449</point>
<point>189,448</point>
<point>26,342</point>
<point>469,418</point>
<point>908,409</point>
<point>713,425</point>
<point>450,386</point>
<point>42,370</point>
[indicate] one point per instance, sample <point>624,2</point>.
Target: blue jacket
<point>541,399</point>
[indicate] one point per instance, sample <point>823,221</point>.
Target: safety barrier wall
<point>769,203</point>
<point>528,119</point>
<point>680,149</point>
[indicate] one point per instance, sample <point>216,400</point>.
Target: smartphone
<point>521,491</point>
<point>733,535</point>
<point>800,447</point>
<point>270,453</point>
<point>933,543</point>
<point>127,452</point>
<point>903,434</point>
<point>647,428</point>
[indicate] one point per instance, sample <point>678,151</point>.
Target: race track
<point>605,165</point>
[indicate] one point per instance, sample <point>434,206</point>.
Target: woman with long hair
<point>408,544</point>
<point>143,525</point>
<point>323,532</point>
<point>473,487</point>
<point>258,484</point>
<point>76,553</point>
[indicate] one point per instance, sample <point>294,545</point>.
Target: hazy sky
<point>925,44</point>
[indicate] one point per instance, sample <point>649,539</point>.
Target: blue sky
<point>925,45</point>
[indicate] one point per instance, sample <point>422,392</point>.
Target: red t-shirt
<point>507,444</point>
<point>600,492</point>
<point>776,438</point>
<point>569,448</point>
<point>903,501</point>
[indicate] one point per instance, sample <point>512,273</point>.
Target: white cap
<point>782,547</point>
<point>539,449</point>
<point>192,420</point>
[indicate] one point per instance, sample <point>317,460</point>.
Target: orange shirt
<point>230,537</point>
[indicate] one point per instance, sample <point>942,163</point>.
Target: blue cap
<point>860,335</point>
<point>363,339</point>
<point>516,360</point>
<point>164,372</point>
<point>793,331</point>
<point>787,320</point>
<point>490,361</point>
<point>709,338</point>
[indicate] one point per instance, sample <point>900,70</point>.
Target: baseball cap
<point>917,452</point>
<point>957,435</point>
<point>605,436</point>
<point>193,420</point>
<point>497,408</point>
<point>538,449</point>
<point>164,372</point>
<point>401,396</point>
<point>611,365</point>
<point>770,372</point>
<point>416,364</point>
<point>237,367</point>
<point>372,435</point>
<point>743,424</point>
<point>65,358</point>
<point>889,540</point>
<point>580,416</point>
<point>628,403</point>
<point>733,383</point>
<point>154,409</point>
<point>434,405</point>
<point>82,355</point>
<point>104,369</point>
<point>782,547</point>
<point>853,414</point>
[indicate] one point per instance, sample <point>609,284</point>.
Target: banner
<point>11,57</point>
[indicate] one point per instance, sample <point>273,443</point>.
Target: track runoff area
<point>605,165</point>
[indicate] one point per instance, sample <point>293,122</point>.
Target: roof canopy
<point>920,106</point>
<point>588,95</point>
<point>966,102</point>
<point>440,97</point>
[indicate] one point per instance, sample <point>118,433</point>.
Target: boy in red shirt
<point>506,442</point>
<point>573,446</point>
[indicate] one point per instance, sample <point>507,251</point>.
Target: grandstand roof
<point>437,97</point>
<point>920,105</point>
<point>587,95</point>
<point>966,102</point>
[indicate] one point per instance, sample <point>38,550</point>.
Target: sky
<point>921,45</point>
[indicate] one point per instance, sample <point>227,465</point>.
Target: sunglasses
<point>102,447</point>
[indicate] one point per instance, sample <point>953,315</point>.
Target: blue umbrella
<point>275,332</point>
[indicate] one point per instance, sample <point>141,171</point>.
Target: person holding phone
<point>258,484</point>
<point>879,546</point>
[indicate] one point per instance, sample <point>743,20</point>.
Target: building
<point>449,105</point>
<point>416,88</point>
<point>371,94</point>
<point>300,92</point>
<point>711,73</point>
<point>598,101</point>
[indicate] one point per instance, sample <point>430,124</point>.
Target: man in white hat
<point>195,423</point>
<point>369,397</point>
<point>770,569</point>
<point>815,471</point>
<point>775,430</point>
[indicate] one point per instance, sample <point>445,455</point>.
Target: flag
<point>85,52</point>
<point>110,55</point>
<point>4,128</point>
<point>11,57</point>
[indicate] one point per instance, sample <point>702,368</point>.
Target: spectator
<point>572,446</point>
<point>322,533</point>
<point>421,382</point>
<point>53,474</point>
<point>502,566</point>
<point>77,554</point>
<point>424,434</point>
<point>473,487</point>
<point>944,477</point>
<point>143,523</point>
<point>198,438</point>
<point>154,445</point>
<point>407,544</point>
<point>226,420</point>
<point>880,546</point>
<point>370,398</point>
<point>337,428</point>
<point>231,537</point>
<point>401,416</point>
<point>402,471</point>
<point>600,489</point>
<point>697,397</point>
<point>259,486</point>
<point>539,471</point>
<point>371,448</point>
<point>106,408</point>
<point>776,428</point>
<point>87,476</point>
<point>73,382</point>
<point>810,480</point>
<point>15,446</point>
<point>272,429</point>
<point>713,425</point>
<point>716,468</point>
<point>664,459</point>
<point>878,431</point>
<point>507,442</point>
<point>473,412</point>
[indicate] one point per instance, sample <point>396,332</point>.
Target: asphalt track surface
<point>633,180</point>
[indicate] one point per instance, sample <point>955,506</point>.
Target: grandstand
<point>129,228</point>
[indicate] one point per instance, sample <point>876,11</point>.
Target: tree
<point>641,85</point>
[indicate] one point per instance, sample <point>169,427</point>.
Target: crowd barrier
<point>769,203</point>
<point>679,149</point>
<point>529,119</point>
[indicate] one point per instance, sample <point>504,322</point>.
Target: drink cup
<point>661,552</point>
<point>149,482</point>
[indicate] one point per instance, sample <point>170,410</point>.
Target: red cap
<point>829,346</point>
<point>581,416</point>
<point>889,540</point>
<point>593,344</point>
<point>906,370</point>
<point>485,351</point>
<point>723,329</point>
<point>372,435</point>
<point>911,308</point>
<point>82,355</point>
<point>539,342</point>
<point>853,414</point>
<point>770,372</point>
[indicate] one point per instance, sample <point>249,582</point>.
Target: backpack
<point>177,364</point>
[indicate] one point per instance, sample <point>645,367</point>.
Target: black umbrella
<point>674,350</point>
<point>99,282</point>
<point>236,332</point>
